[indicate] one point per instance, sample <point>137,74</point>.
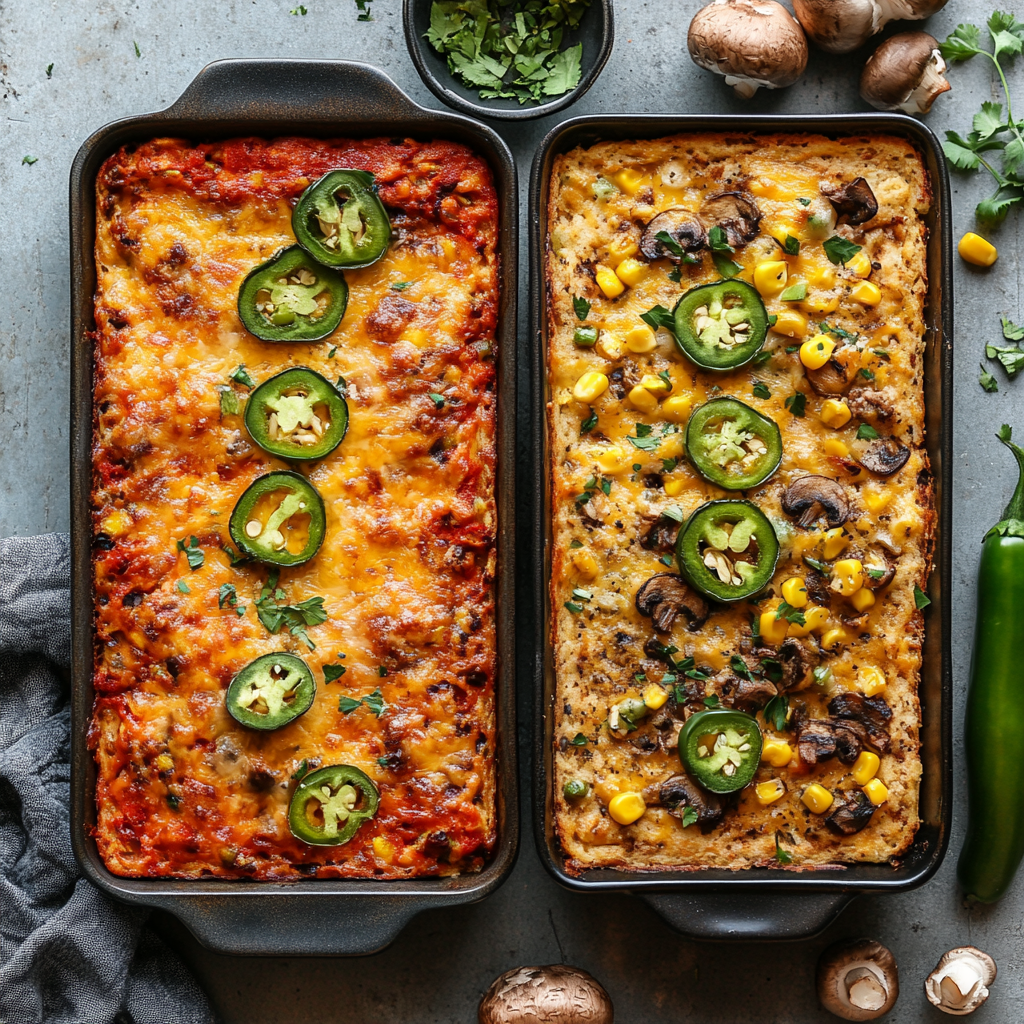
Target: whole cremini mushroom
<point>905,73</point>
<point>753,43</point>
<point>840,26</point>
<point>959,984</point>
<point>858,980</point>
<point>545,995</point>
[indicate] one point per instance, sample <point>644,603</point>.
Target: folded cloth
<point>68,953</point>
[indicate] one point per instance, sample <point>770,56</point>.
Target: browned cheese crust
<point>600,200</point>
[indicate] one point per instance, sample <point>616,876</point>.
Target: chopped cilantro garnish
<point>865,432</point>
<point>241,376</point>
<point>332,672</point>
<point>580,307</point>
<point>761,390</point>
<point>839,250</point>
<point>193,552</point>
<point>797,403</point>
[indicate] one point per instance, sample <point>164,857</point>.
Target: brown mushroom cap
<point>852,812</point>
<point>736,213</point>
<point>884,456</point>
<point>858,979</point>
<point>682,226</point>
<point>753,43</point>
<point>961,979</point>
<point>808,498</point>
<point>557,994</point>
<point>905,73</point>
<point>667,594</point>
<point>840,26</point>
<point>832,378</point>
<point>852,199</point>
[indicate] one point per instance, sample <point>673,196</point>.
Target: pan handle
<point>344,91</point>
<point>749,916</point>
<point>295,925</point>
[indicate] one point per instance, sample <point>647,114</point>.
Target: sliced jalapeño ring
<point>732,445</point>
<point>329,805</point>
<point>722,325</point>
<point>721,749</point>
<point>279,519</point>
<point>271,691</point>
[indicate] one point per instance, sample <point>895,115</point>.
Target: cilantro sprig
<point>276,615</point>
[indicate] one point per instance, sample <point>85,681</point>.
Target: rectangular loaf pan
<point>717,903</point>
<point>324,99</point>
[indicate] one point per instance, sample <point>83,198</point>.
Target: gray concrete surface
<point>437,969</point>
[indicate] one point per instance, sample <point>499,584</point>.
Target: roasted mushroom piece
<point>858,979</point>
<point>798,664</point>
<point>871,712</point>
<point>961,979</point>
<point>667,594</point>
<point>737,214</point>
<point>680,792</point>
<point>884,456</point>
<point>557,994</point>
<point>821,739</point>
<point>833,378</point>
<point>887,569</point>
<point>683,227</point>
<point>661,535</point>
<point>809,498</point>
<point>905,73</point>
<point>852,812</point>
<point>853,200</point>
<point>751,695</point>
<point>869,404</point>
<point>818,590</point>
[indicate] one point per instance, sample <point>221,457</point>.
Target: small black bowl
<point>596,32</point>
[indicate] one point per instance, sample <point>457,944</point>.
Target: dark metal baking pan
<point>761,903</point>
<point>321,99</point>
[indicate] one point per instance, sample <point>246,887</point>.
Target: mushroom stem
<point>959,983</point>
<point>905,73</point>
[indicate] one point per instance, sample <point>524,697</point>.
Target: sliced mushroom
<point>961,979</point>
<point>751,695</point>
<point>905,73</point>
<point>753,43</point>
<point>853,811</point>
<point>853,200</point>
<point>680,792</point>
<point>887,568</point>
<point>871,712</point>
<point>684,228</point>
<point>737,214</point>
<point>858,979</point>
<point>664,596</point>
<point>798,664</point>
<point>661,535</point>
<point>557,994</point>
<point>809,498</point>
<point>866,403</point>
<point>818,590</point>
<point>821,739</point>
<point>840,26</point>
<point>884,456</point>
<point>831,379</point>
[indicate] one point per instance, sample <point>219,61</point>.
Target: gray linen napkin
<point>68,953</point>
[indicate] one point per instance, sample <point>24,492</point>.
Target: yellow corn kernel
<point>876,792</point>
<point>585,562</point>
<point>835,413</point>
<point>817,798</point>
<point>383,849</point>
<point>673,488</point>
<point>590,387</point>
<point>794,593</point>
<point>629,179</point>
<point>641,339</point>
<point>643,399</point>
<point>655,697</point>
<point>791,323</point>
<point>780,231</point>
<point>626,807</point>
<point>655,384</point>
<point>876,500</point>
<point>863,599</point>
<point>835,542</point>
<point>820,276</point>
<point>815,352</point>
<point>819,304</point>
<point>677,408</point>
<point>833,446</point>
<point>871,681</point>
<point>772,630</point>
<point>622,248</point>
<point>768,792</point>
<point>814,618</point>
<point>164,763</point>
<point>778,753</point>
<point>631,271</point>
<point>865,768</point>
<point>867,293</point>
<point>118,522</point>
<point>770,277</point>
<point>605,791</point>
<point>609,283</point>
<point>977,250</point>
<point>860,265</point>
<point>831,637</point>
<point>847,576</point>
<point>613,459</point>
<point>610,346</point>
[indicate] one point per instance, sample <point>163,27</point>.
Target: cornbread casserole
<point>384,620</point>
<point>742,502</point>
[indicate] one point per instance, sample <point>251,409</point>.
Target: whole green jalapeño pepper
<point>297,414</point>
<point>732,445</point>
<point>720,326</point>
<point>291,297</point>
<point>727,550</point>
<point>994,724</point>
<point>340,220</point>
<point>279,519</point>
<point>271,691</point>
<point>329,805</point>
<point>721,749</point>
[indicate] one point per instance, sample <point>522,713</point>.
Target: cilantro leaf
<point>1011,332</point>
<point>579,740</point>
<point>659,316</point>
<point>780,854</point>
<point>718,240</point>
<point>241,376</point>
<point>193,552</point>
<point>921,599</point>
<point>346,705</point>
<point>988,120</point>
<point>776,711</point>
<point>987,381</point>
<point>739,666</point>
<point>587,425</point>
<point>761,390</point>
<point>689,817</point>
<point>581,307</point>
<point>183,587</point>
<point>839,250</point>
<point>563,71</point>
<point>791,245</point>
<point>333,672</point>
<point>865,432</point>
<point>797,403</point>
<point>1011,357</point>
<point>301,770</point>
<point>227,595</point>
<point>375,702</point>
<point>790,614</point>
